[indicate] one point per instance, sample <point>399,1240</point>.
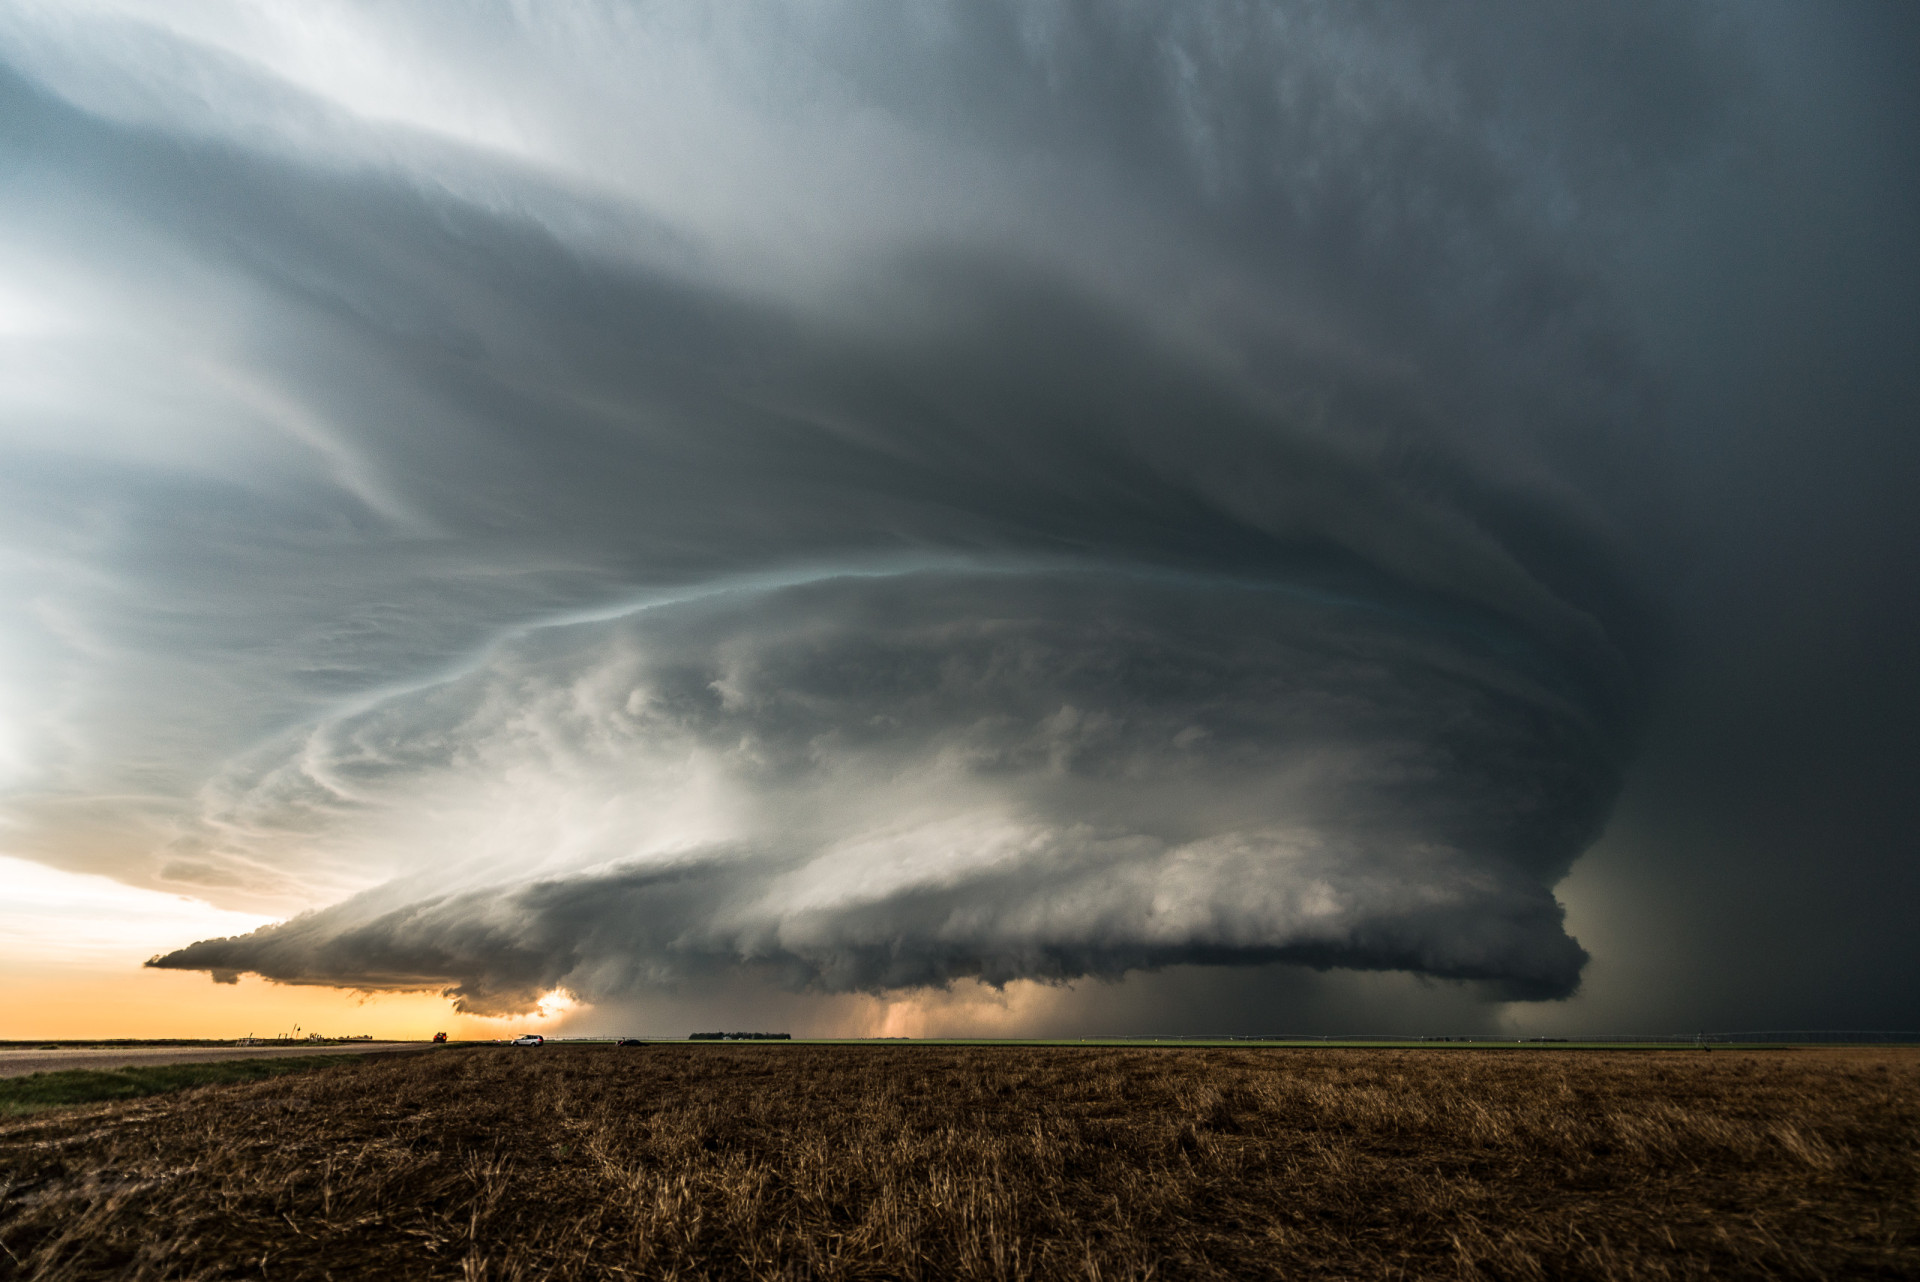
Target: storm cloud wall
<point>860,497</point>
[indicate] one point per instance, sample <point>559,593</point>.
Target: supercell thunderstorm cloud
<point>849,498</point>
<point>899,780</point>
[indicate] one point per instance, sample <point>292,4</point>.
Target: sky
<point>958,518</point>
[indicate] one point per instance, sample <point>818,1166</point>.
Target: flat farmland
<point>740,1161</point>
<point>17,1061</point>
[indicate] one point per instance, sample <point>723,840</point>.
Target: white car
<point>528,1039</point>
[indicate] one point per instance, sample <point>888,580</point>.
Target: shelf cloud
<point>853,498</point>
<point>903,780</point>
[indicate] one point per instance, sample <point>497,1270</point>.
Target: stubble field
<point>989,1162</point>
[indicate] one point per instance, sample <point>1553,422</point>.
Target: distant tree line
<point>739,1037</point>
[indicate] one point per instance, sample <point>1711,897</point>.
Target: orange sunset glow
<point>72,948</point>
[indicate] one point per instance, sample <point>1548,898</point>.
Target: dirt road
<point>16,1061</point>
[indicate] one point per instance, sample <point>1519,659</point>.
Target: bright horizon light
<point>49,917</point>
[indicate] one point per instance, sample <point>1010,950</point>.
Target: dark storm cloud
<point>1089,487</point>
<point>494,396</point>
<point>927,777</point>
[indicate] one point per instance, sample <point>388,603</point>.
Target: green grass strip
<point>36,1092</point>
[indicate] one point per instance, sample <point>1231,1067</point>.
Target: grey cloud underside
<point>608,937</point>
<point>1203,432</point>
<point>911,779</point>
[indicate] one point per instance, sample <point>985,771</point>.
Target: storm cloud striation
<point>850,498</point>
<point>896,782</point>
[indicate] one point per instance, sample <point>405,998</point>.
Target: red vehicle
<point>439,1037</point>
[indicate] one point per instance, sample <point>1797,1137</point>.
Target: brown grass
<point>935,1162</point>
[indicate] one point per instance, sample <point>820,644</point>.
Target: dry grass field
<point>958,1162</point>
